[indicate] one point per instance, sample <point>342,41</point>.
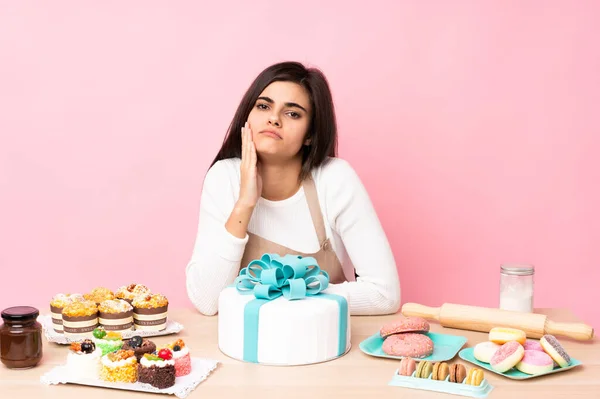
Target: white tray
<point>201,368</point>
<point>52,336</point>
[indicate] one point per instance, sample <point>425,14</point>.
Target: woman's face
<point>279,120</point>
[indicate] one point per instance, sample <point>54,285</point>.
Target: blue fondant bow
<point>272,276</point>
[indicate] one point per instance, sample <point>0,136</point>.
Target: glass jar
<point>20,337</point>
<point>516,287</point>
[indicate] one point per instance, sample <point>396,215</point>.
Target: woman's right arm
<point>222,226</point>
<point>217,253</point>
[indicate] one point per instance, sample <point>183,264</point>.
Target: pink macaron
<point>413,345</point>
<point>407,366</point>
<point>507,356</point>
<point>531,345</point>
<point>535,362</point>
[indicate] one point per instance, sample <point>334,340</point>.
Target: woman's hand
<point>251,182</point>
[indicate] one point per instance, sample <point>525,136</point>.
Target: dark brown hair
<point>322,130</point>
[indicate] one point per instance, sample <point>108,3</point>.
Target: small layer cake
<point>83,360</point>
<point>80,318</point>
<point>116,315</point>
<point>140,346</point>
<point>109,342</point>
<point>130,292</point>
<point>57,304</point>
<point>119,366</point>
<point>157,370</point>
<point>150,312</point>
<point>181,355</point>
<point>99,294</point>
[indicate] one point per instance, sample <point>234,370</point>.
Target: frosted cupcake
<point>115,315</point>
<point>150,312</point>
<point>83,360</point>
<point>181,356</point>
<point>157,370</point>
<point>131,291</point>
<point>80,318</point>
<point>58,302</point>
<point>107,341</point>
<point>119,366</point>
<point>99,294</point>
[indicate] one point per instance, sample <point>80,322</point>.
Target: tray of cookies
<point>509,353</point>
<point>137,365</point>
<point>130,310</point>
<point>441,377</point>
<point>409,336</point>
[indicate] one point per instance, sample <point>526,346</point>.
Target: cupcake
<point>99,294</point>
<point>139,346</point>
<point>58,302</point>
<point>119,366</point>
<point>83,360</point>
<point>80,318</point>
<point>157,370</point>
<point>150,312</point>
<point>181,356</point>
<point>108,342</point>
<point>116,315</point>
<point>129,292</point>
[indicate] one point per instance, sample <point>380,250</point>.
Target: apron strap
<point>312,199</point>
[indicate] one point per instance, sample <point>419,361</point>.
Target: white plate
<point>201,368</point>
<point>52,336</point>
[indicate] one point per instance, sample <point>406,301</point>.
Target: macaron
<point>440,371</point>
<point>458,373</point>
<point>502,335</point>
<point>553,348</point>
<point>404,324</point>
<point>474,377</point>
<point>484,351</point>
<point>424,369</point>
<point>535,362</point>
<point>532,345</point>
<point>408,345</point>
<point>407,366</point>
<point>507,356</point>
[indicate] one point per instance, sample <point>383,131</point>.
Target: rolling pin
<point>474,318</point>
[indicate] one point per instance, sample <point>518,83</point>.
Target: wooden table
<point>354,375</point>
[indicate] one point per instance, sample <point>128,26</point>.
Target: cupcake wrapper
<point>57,321</point>
<point>120,322</point>
<point>154,319</point>
<point>81,325</point>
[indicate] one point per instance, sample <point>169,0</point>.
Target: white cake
<point>290,332</point>
<point>84,365</point>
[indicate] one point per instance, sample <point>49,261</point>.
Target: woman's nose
<point>274,120</point>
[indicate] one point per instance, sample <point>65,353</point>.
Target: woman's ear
<point>307,142</point>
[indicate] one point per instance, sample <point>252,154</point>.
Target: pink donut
<point>408,345</point>
<point>507,356</point>
<point>404,324</point>
<point>531,345</point>
<point>535,362</point>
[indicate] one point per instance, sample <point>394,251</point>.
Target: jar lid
<point>17,313</point>
<point>517,269</point>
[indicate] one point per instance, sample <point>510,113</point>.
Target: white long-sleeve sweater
<point>350,221</point>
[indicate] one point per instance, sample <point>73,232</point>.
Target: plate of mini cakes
<point>136,365</point>
<point>130,310</point>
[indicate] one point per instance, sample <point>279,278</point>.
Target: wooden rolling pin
<point>476,318</point>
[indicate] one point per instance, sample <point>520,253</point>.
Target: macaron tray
<point>446,386</point>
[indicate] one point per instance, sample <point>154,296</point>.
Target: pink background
<point>474,126</point>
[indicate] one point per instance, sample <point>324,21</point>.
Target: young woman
<point>276,186</point>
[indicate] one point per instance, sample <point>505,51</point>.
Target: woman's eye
<point>294,115</point>
<point>262,106</point>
